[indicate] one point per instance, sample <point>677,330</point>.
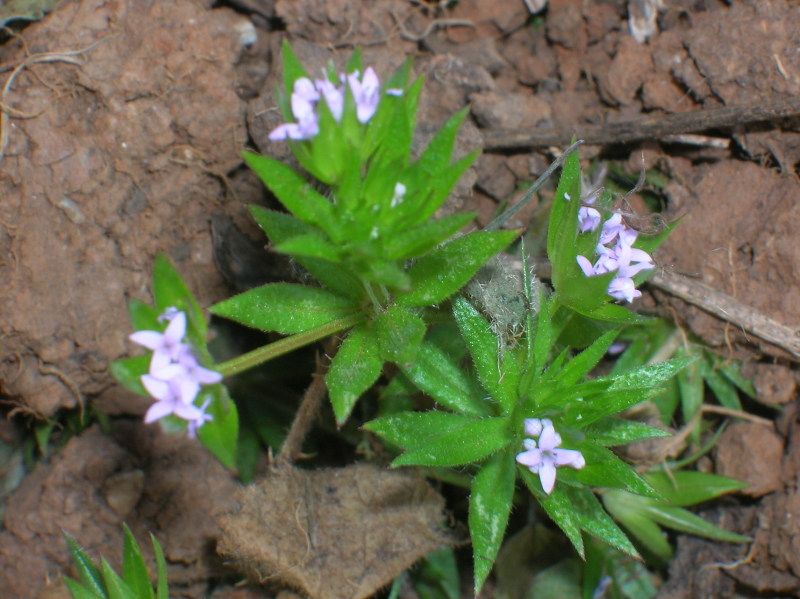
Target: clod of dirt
<point>739,237</point>
<point>775,384</point>
<point>760,65</point>
<point>133,119</point>
<point>165,484</point>
<point>752,453</point>
<point>334,533</point>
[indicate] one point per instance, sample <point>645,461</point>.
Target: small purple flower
<point>334,97</point>
<point>172,397</point>
<point>588,219</point>
<point>307,125</point>
<point>366,93</point>
<point>175,375</point>
<point>166,346</point>
<point>194,371</point>
<point>623,288</point>
<point>546,458</point>
<point>622,258</point>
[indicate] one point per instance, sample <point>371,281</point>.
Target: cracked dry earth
<point>121,131</point>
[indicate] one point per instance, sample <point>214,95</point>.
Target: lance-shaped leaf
<point>412,429</point>
<point>284,307</point>
<point>294,192</point>
<point>470,443</point>
<point>134,570</point>
<point>619,431</point>
<point>281,227</point>
<point>440,273</point>
<point>355,367</point>
<point>437,375</point>
<point>220,434</point>
<point>399,333</point>
<point>170,291</point>
<point>489,508</point>
<point>688,487</point>
<point>411,243</point>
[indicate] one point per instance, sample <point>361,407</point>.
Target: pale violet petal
<point>531,458</point>
<point>547,476</point>
<point>157,411</point>
<point>149,339</point>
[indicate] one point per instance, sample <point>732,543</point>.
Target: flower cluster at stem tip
<point>544,459</point>
<point>621,257</point>
<point>175,376</point>
<point>305,95</point>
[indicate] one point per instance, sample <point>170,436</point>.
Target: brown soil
<point>122,126</point>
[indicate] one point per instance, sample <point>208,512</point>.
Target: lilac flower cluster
<point>615,253</point>
<point>544,459</point>
<point>305,94</point>
<point>175,375</point>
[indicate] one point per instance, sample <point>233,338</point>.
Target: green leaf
<point>355,367</point>
<point>162,587</point>
<point>292,69</point>
<point>414,242</point>
<point>628,510</point>
<point>723,389</point>
<point>436,576</point>
<point>144,317</point>
<point>134,570</point>
<point>444,381</point>
<point>483,347</point>
<point>220,435</point>
<point>399,333</point>
<point>89,573</point>
<point>294,192</point>
<point>437,154</point>
<point>604,469</point>
<point>285,307</point>
<point>129,371</point>
<point>562,230</point>
<point>618,431</point>
<point>489,508</point>
<point>543,336</point>
<point>688,487</point>
<point>616,314</point>
<point>579,366</point>
<point>731,371</point>
<point>440,273</point>
<point>682,520</point>
<point>558,506</point>
<point>648,377</point>
<point>312,246</point>
<point>281,227</point>
<point>596,521</point>
<point>79,592</point>
<point>690,384</point>
<point>169,291</point>
<point>413,429</point>
<point>474,441</point>
<point>117,588</point>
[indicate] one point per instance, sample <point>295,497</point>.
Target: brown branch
<point>308,410</point>
<point>726,308</point>
<point>648,128</point>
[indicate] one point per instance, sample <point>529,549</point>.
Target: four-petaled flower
<point>546,458</point>
<point>175,375</point>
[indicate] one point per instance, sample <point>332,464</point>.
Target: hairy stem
<point>286,345</point>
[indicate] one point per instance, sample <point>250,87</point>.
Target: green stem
<point>286,345</point>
